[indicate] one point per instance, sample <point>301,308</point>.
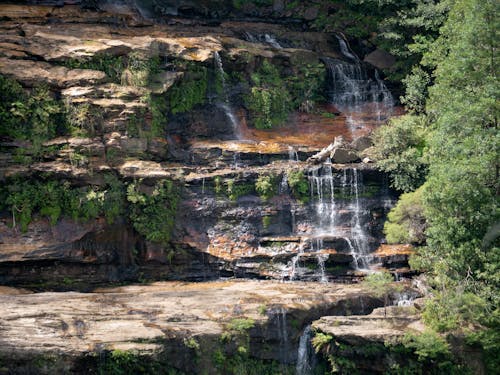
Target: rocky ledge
<point>168,319</point>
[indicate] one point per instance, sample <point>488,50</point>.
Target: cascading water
<point>271,40</point>
<point>305,355</point>
<point>355,93</point>
<point>224,105</point>
<point>352,90</point>
<point>327,210</point>
<point>292,154</point>
<point>357,232</point>
<point>283,334</point>
<point>344,49</point>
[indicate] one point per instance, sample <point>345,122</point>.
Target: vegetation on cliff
<point>451,147</point>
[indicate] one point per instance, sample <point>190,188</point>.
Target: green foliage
<point>399,150</point>
<point>406,221</point>
<point>451,310</point>
<point>190,90</point>
<point>153,214</point>
<point>54,199</point>
<point>158,105</point>
<point>36,116</point>
<point>299,185</point>
<point>12,98</point>
<point>427,346</point>
<point>128,362</point>
<point>113,66</point>
<point>266,186</point>
<point>416,84</point>
<point>235,190</point>
<point>192,343</point>
<point>240,325</point>
<point>460,195</point>
<point>320,340</point>
<point>269,101</point>
<point>140,69</point>
<point>83,119</point>
<point>306,86</point>
<point>381,284</point>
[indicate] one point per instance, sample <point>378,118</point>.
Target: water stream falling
<point>327,210</point>
<point>283,334</point>
<point>360,97</point>
<point>344,49</point>
<point>292,154</point>
<point>224,105</point>
<point>305,355</point>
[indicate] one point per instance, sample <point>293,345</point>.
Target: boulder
<point>343,156</point>
<point>311,13</point>
<point>362,143</point>
<point>380,59</point>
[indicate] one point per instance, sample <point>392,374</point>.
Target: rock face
<point>160,319</point>
<point>219,198</point>
<point>224,226</point>
<point>366,335</point>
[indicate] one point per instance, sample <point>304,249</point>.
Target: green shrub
<point>320,340</point>
<point>406,221</point>
<point>83,119</point>
<point>399,151</point>
<point>299,185</point>
<point>190,90</point>
<point>307,87</point>
<point>153,215</point>
<point>54,199</point>
<point>269,101</point>
<point>266,186</point>
<point>235,190</point>
<point>427,345</point>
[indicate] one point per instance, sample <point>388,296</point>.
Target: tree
<point>399,151</point>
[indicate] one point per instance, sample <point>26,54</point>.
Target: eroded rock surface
<point>160,316</point>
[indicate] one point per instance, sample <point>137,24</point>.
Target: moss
<point>235,190</point>
<point>113,66</point>
<point>269,101</point>
<point>190,90</point>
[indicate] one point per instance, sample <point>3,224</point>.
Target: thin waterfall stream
<point>224,104</point>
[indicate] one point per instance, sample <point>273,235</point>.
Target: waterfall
<point>305,354</point>
<point>344,49</point>
<point>271,40</point>
<point>404,299</point>
<point>321,264</point>
<point>262,38</point>
<point>283,188</point>
<point>328,224</point>
<point>357,232</point>
<point>283,334</point>
<point>224,105</point>
<point>353,91</point>
<point>292,154</point>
